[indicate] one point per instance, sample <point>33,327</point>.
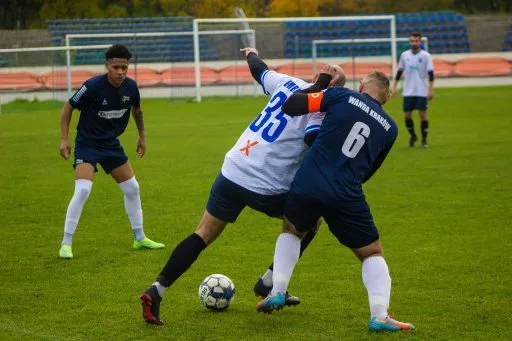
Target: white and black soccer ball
<point>217,292</point>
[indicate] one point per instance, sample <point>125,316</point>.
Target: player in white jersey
<point>257,172</point>
<point>256,162</point>
<point>417,64</point>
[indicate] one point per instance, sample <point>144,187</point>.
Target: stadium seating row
<point>401,18</point>
<point>239,74</point>
<point>446,32</point>
<point>507,43</point>
<point>172,48</point>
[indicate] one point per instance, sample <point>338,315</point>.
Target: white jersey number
<point>355,139</point>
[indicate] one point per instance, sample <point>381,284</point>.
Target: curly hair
<point>118,51</point>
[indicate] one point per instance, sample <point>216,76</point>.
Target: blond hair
<point>380,82</point>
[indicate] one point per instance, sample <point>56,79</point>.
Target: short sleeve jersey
<point>104,109</point>
<point>354,139</point>
<point>268,153</point>
<point>416,67</point>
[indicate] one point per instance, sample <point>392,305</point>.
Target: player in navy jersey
<point>104,103</point>
<point>355,138</point>
<point>257,172</point>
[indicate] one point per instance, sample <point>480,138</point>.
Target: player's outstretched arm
<point>65,119</point>
<point>303,103</point>
<point>299,104</point>
<point>139,122</point>
<point>256,65</point>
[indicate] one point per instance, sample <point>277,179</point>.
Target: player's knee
<point>372,250</point>
<point>210,228</point>
<point>130,187</point>
<point>290,228</point>
<point>83,189</point>
<point>208,233</point>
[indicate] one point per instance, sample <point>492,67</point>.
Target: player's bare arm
<point>139,122</point>
<point>65,119</point>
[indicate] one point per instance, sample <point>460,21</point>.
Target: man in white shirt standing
<point>417,64</point>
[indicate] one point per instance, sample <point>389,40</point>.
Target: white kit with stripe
<point>268,153</point>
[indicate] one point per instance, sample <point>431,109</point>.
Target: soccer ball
<point>217,292</point>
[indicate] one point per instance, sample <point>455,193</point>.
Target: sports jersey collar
<point>371,98</point>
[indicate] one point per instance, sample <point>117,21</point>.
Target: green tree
<point>80,9</point>
<point>115,11</point>
<point>486,6</point>
<point>19,14</point>
<point>294,8</point>
<point>225,9</point>
<point>160,8</point>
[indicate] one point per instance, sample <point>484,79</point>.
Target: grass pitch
<point>444,216</point>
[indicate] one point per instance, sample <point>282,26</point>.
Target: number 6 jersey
<point>355,138</point>
<point>267,155</point>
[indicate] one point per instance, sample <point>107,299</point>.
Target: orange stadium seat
<point>19,81</point>
<point>185,75</point>
<point>491,66</point>
<point>443,68</point>
<point>300,70</point>
<point>235,74</point>
<point>57,80</point>
<point>145,76</point>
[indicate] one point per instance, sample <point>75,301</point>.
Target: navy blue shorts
<point>352,224</point>
<point>414,102</point>
<point>227,200</point>
<point>109,157</point>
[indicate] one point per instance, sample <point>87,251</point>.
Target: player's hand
<point>331,71</point>
<point>65,149</point>
<point>248,50</point>
<point>394,92</point>
<point>141,147</point>
<point>430,95</point>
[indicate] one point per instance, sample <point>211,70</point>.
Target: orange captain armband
<point>314,100</point>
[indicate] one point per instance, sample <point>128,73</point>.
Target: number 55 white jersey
<point>267,155</point>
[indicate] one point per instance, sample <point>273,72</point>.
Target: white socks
<point>267,278</point>
<point>133,206</point>
<point>160,288</point>
<point>82,191</point>
<point>377,281</point>
<point>285,257</point>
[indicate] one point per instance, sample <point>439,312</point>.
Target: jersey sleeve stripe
<point>312,128</point>
<point>79,94</point>
<point>262,78</point>
<point>314,101</point>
